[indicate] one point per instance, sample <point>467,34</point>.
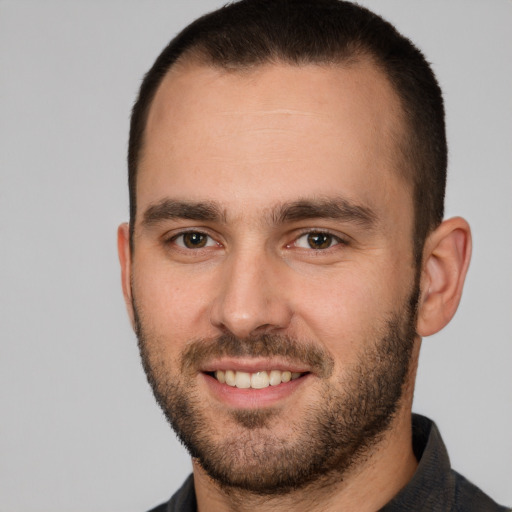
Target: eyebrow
<point>337,208</point>
<point>318,208</point>
<point>169,209</point>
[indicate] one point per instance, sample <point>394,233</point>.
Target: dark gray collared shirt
<point>435,487</point>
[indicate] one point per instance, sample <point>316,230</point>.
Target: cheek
<point>348,310</point>
<point>173,304</point>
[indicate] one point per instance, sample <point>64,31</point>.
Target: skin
<point>252,143</point>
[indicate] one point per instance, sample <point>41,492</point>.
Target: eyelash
<point>335,240</point>
<point>173,239</point>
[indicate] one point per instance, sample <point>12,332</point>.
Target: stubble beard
<point>334,434</point>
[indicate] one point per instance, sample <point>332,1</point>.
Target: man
<point>285,254</point>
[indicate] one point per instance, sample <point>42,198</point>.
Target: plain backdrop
<point>79,429</point>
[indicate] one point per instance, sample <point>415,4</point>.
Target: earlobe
<point>446,257</point>
<point>124,253</point>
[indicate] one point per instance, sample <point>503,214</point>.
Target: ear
<point>446,257</point>
<point>125,259</point>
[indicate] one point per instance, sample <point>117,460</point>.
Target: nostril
<point>263,329</point>
<point>245,307</point>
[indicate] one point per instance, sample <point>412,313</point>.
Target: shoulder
<point>468,497</point>
<point>160,508</point>
<point>436,487</point>
<point>183,500</point>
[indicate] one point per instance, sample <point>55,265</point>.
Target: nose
<point>251,298</point>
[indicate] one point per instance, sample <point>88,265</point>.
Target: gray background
<point>79,430</point>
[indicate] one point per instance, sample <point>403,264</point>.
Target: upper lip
<point>253,365</point>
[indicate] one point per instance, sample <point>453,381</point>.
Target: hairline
<point>400,138</point>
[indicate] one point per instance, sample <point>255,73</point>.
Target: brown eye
<point>320,240</point>
<point>193,240</point>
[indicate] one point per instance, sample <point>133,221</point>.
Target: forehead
<point>272,133</point>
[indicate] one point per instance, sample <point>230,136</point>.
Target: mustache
<point>201,351</point>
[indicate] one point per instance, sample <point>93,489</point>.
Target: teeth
<point>275,378</point>
<point>230,378</point>
<point>258,380</point>
<point>243,380</point>
<point>221,377</point>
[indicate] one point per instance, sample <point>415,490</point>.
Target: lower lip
<point>252,398</point>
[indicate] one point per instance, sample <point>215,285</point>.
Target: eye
<point>194,240</point>
<point>316,240</point>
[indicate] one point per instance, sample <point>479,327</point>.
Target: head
<point>285,250</point>
<point>248,34</point>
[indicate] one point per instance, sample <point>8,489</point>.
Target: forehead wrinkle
<point>277,111</point>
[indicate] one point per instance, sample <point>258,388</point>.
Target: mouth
<point>247,383</point>
<point>256,380</point>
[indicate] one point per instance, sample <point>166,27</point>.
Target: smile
<point>256,380</point>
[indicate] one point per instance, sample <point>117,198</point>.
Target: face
<point>272,279</point>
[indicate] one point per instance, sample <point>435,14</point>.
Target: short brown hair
<point>253,32</point>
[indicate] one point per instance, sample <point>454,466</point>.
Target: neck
<point>367,487</point>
